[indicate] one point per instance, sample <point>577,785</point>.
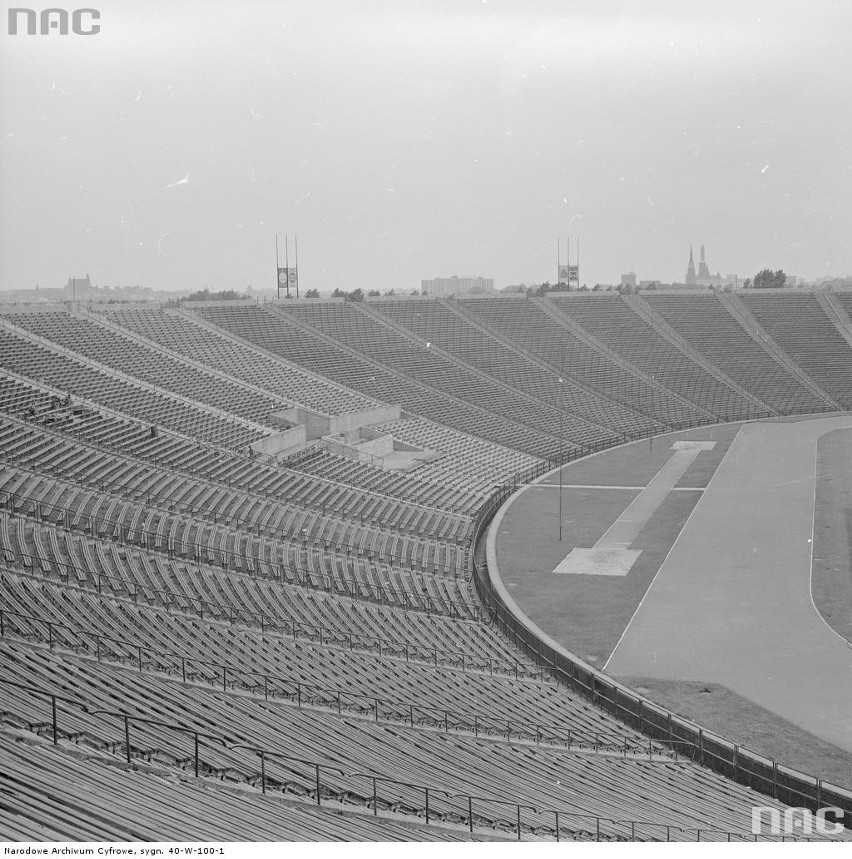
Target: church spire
<point>703,271</point>
<point>690,271</point>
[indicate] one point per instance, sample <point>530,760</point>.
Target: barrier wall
<point>706,748</point>
<point>280,442</point>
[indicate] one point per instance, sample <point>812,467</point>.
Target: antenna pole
<point>578,262</point>
<point>287,261</point>
<point>296,248</point>
<point>568,263</point>
<point>277,268</point>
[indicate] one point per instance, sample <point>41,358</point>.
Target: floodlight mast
<point>277,268</point>
<point>287,261</point>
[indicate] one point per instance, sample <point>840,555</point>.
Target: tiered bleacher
<point>801,328</point>
<point>585,415</point>
<point>69,374</point>
<point>180,332</point>
<point>709,328</point>
<point>528,324</point>
<point>275,333</point>
<point>611,320</point>
<point>197,642</point>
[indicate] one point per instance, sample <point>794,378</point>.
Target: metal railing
<point>341,584</point>
<point>223,677</point>
<point>333,784</point>
<point>251,527</point>
<point>239,460</point>
<point>356,642</point>
<point>732,760</point>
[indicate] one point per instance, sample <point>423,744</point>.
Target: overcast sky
<point>404,140</point>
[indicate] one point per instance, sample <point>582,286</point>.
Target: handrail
<point>353,641</point>
<point>709,749</point>
<point>303,694</point>
<point>548,822</point>
<point>242,459</point>
<point>194,551</point>
<point>250,527</point>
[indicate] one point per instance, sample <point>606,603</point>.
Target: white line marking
<point>606,486</point>
<point>813,537</point>
<point>671,549</point>
<point>625,529</point>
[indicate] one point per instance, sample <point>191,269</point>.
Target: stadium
<point>559,568</point>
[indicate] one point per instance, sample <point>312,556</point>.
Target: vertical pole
<point>195,750</point>
<point>375,799</point>
<point>427,804</point>
<point>470,812</point>
<point>262,772</point>
<point>319,798</point>
<point>519,823</point>
<point>277,267</point>
<point>127,736</point>
<point>557,825</point>
<point>560,466</point>
<point>53,719</point>
<point>296,248</point>
<point>287,261</point>
<point>578,262</point>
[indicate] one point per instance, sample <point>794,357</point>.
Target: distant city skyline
<point>426,136</point>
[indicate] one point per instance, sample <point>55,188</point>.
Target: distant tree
<point>312,293</point>
<point>206,295</point>
<point>768,279</point>
<point>390,292</point>
<point>416,292</point>
<point>373,293</point>
<point>747,283</point>
<point>355,295</point>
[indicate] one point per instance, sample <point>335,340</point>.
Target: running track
<point>731,603</point>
